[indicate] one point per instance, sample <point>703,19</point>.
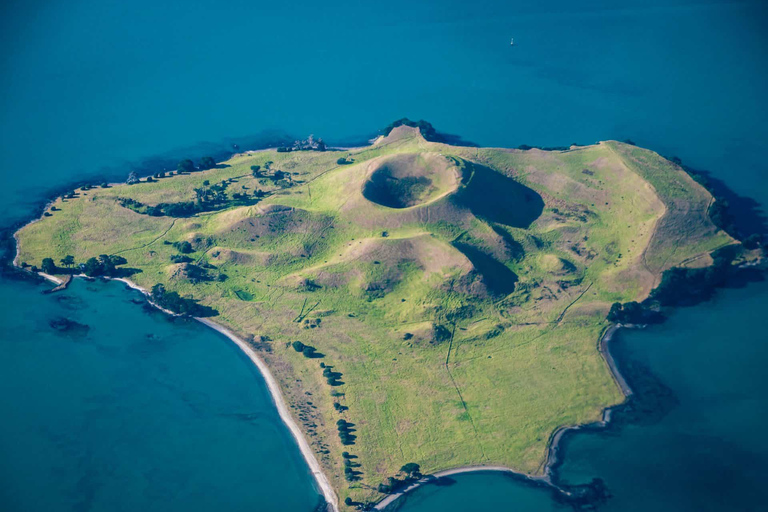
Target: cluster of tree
<point>306,350</point>
<point>172,301</point>
<point>345,432</point>
<point>207,199</point>
<point>105,265</point>
<point>332,378</point>
<point>440,333</point>
<point>188,166</point>
<point>633,313</point>
<point>184,247</point>
<point>345,161</point>
<point>280,178</point>
<point>350,473</point>
<point>48,266</point>
<point>411,472</point>
<point>308,144</point>
<point>199,273</point>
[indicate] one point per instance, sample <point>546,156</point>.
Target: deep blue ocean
<point>139,412</point>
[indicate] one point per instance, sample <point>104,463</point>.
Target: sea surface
<point>135,411</point>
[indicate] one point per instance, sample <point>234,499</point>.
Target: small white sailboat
<point>513,42</point>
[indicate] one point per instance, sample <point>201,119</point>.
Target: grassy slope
<point>519,365</point>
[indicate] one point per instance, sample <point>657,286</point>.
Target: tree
<point>207,162</point>
<point>107,266</point>
<point>186,165</point>
<point>132,178</point>
<point>183,247</point>
<point>411,470</point>
<point>92,267</point>
<point>348,501</point>
<point>298,346</point>
<point>157,292</point>
<point>308,351</point>
<point>68,260</point>
<point>256,171</point>
<point>48,266</point>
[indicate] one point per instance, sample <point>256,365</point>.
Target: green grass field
<point>460,292</point>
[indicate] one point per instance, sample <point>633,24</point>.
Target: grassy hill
<point>455,296</point>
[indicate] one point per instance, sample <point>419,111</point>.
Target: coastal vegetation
<point>426,306</point>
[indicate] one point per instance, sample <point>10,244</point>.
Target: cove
<point>703,380</point>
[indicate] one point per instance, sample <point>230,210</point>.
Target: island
<point>415,306</point>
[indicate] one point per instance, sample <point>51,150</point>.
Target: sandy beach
<point>306,451</point>
<point>285,414</point>
<point>448,472</point>
<point>322,480</point>
<point>277,397</point>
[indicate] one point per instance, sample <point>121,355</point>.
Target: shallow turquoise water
<point>115,421</point>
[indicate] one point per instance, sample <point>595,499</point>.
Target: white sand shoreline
<point>319,476</point>
<point>306,451</point>
<point>285,414</point>
<point>454,471</point>
<point>332,502</point>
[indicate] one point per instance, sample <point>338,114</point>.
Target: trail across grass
<point>451,297</point>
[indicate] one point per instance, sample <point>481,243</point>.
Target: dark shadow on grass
<point>497,277</point>
<point>126,272</point>
<point>496,198</point>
